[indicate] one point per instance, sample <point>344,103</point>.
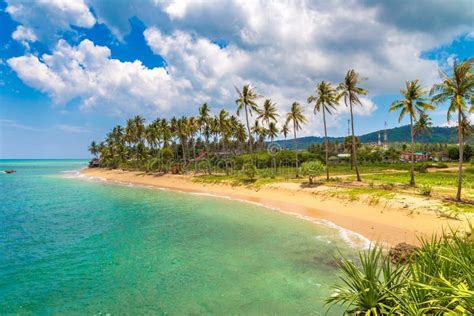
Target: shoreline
<point>375,223</point>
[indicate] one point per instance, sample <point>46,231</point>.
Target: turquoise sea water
<point>69,245</point>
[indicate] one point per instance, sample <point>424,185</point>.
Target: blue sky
<point>71,70</point>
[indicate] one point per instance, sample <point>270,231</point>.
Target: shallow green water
<point>74,246</point>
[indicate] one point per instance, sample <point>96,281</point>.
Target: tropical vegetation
<point>435,279</point>
<point>414,104</point>
<point>228,140</point>
<point>458,90</point>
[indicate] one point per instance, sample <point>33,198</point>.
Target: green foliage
<point>166,154</point>
<point>453,153</point>
<point>438,280</point>
<point>439,165</point>
<point>467,152</point>
<point>266,173</point>
<point>368,286</point>
<point>425,190</point>
<point>422,168</point>
<point>472,161</point>
<point>249,170</point>
<point>312,169</point>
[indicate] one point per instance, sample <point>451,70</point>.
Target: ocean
<point>75,245</point>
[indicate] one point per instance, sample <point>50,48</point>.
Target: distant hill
<point>444,135</point>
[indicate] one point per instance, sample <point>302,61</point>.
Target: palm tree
<point>272,132</point>
<point>247,101</point>
<point>423,126</point>
<point>204,117</point>
<point>285,130</point>
<point>413,104</point>
<point>458,90</point>
<point>94,149</point>
<point>350,92</point>
<point>297,117</point>
<point>240,134</point>
<point>224,127</point>
<point>152,135</point>
<point>268,113</point>
<point>325,101</point>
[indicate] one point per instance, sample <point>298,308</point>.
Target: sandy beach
<point>389,225</point>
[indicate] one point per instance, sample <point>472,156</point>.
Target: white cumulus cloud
<point>87,72</point>
<point>24,35</point>
<point>47,18</point>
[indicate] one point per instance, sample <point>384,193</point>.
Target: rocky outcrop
<point>94,163</point>
<point>402,252</point>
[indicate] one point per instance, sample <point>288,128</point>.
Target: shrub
<point>312,169</point>
<point>421,168</point>
<point>425,190</point>
<point>249,170</point>
<point>266,173</point>
<point>437,281</point>
<point>472,162</point>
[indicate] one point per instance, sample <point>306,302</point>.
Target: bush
<point>249,170</point>
<point>472,162</point>
<point>421,168</point>
<point>425,190</point>
<point>440,165</point>
<point>266,173</point>
<point>312,169</point>
<point>437,281</point>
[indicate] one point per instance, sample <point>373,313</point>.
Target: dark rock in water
<point>402,253</point>
<point>94,163</point>
<point>10,171</point>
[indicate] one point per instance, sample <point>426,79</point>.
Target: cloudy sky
<point>72,69</point>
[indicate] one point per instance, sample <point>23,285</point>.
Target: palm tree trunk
<point>412,163</point>
<point>326,143</point>
<point>354,152</point>
<point>461,156</point>
<point>248,129</point>
<point>296,148</point>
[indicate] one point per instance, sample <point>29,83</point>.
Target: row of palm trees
<point>225,133</point>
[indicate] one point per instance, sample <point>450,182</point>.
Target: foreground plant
<point>437,280</point>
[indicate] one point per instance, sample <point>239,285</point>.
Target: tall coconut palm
<point>268,113</point>
<point>285,130</point>
<point>165,131</point>
<point>459,91</point>
<point>349,90</point>
<point>204,117</point>
<point>325,101</point>
<point>94,149</point>
<point>224,127</point>
<point>272,132</point>
<point>296,117</point>
<point>413,104</point>
<point>152,135</point>
<point>247,101</point>
<point>423,127</point>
